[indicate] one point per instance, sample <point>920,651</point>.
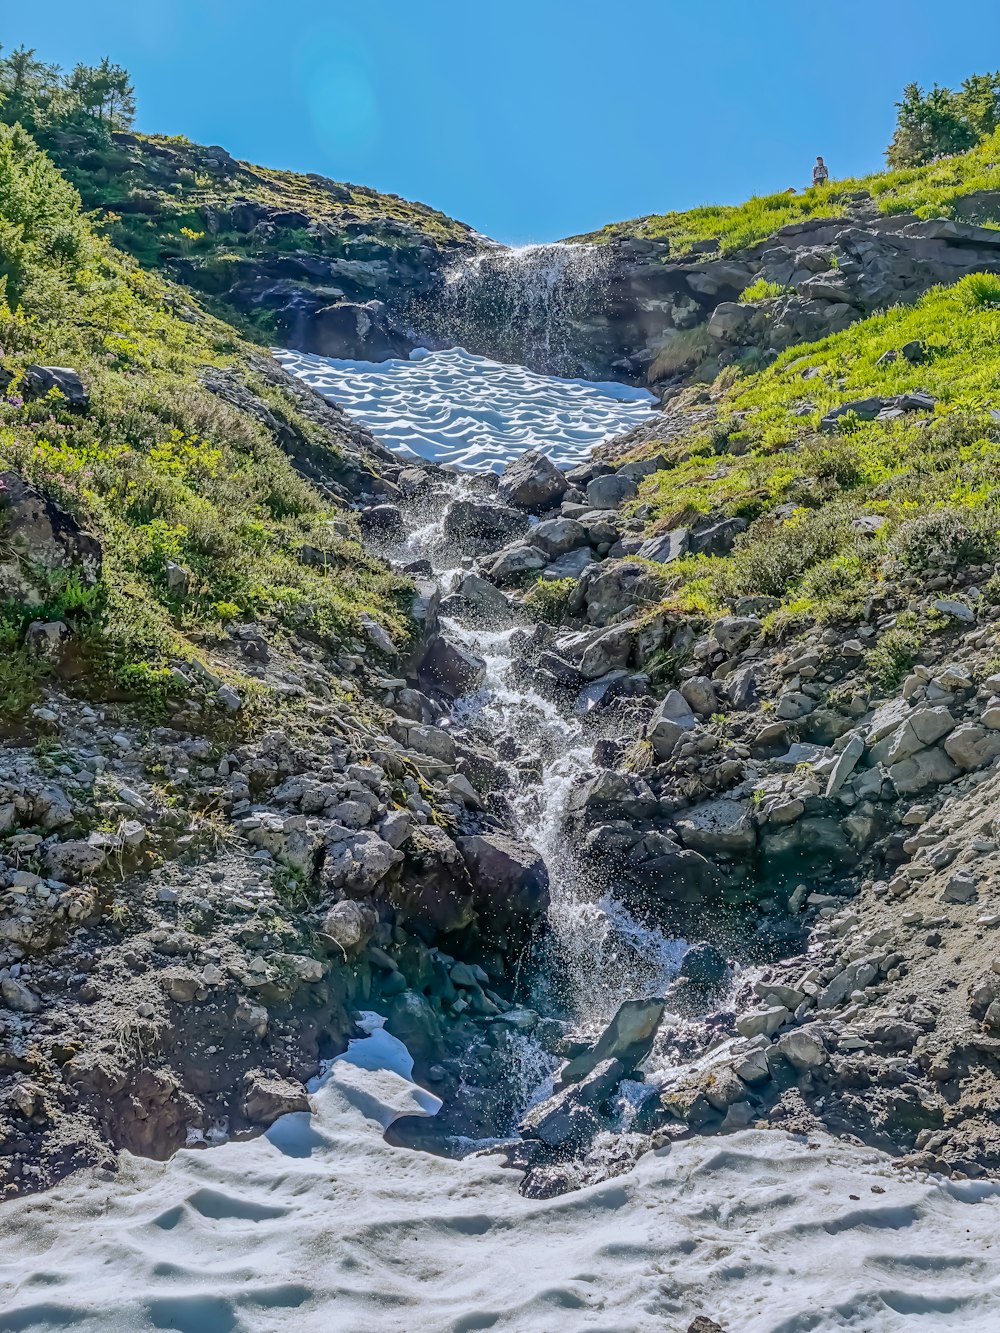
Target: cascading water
<point>528,304</point>
<point>596,953</point>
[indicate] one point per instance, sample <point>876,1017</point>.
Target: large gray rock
<point>569,566</point>
<point>611,651</point>
<point>357,863</point>
<point>929,768</point>
<point>720,827</point>
<point>479,600</point>
<point>532,482</point>
<point>510,884</point>
<point>922,727</point>
<point>512,565</point>
<point>39,539</point>
<point>628,1038</point>
<point>556,536</point>
<point>39,381</point>
<point>732,633</point>
<point>449,669</point>
<point>972,746</point>
<point>266,1097</point>
<point>610,491</point>
<point>665,548</point>
<point>477,527</point>
<point>567,1119</point>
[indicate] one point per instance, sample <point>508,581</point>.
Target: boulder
<point>720,827</point>
<point>569,566</point>
<point>266,1097</point>
<point>627,1039</point>
<point>921,728</point>
<point>556,536</point>
<point>480,601</point>
<point>40,539</point>
<point>357,863</point>
<point>929,768</point>
<point>73,861</point>
<point>802,1049</point>
<point>41,380</point>
<point>732,633</point>
<point>512,564</point>
<point>412,1021</point>
<point>665,548</point>
<point>477,527</point>
<point>567,1119</point>
<point>699,692</point>
<point>447,669</point>
<point>532,482</point>
<point>972,746</point>
<point>350,925</point>
<point>610,491</point>
<point>435,890</point>
<point>611,651</point>
<point>510,883</point>
<point>705,965</point>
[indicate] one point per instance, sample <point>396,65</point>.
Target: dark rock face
<point>510,884</point>
<point>40,539</point>
<point>356,331</point>
<point>41,380</point>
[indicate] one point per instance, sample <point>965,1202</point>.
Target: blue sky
<point>529,119</point>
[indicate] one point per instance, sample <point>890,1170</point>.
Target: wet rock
<point>627,1039</point>
<point>477,527</point>
<point>567,1119</point>
<point>510,883</point>
<point>413,1021</point>
<point>718,827</point>
<point>265,1097</point>
<point>515,562</point>
<point>480,600</point>
<point>449,669</point>
<point>532,482</point>
<point>40,539</point>
<point>705,965</point>
<point>762,1022</point>
<point>383,520</point>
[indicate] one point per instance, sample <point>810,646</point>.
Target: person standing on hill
<point>820,173</point>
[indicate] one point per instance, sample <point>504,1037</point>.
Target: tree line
<point>943,121</point>
<point>44,98</point>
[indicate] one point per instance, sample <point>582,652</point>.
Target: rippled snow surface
<point>321,1227</point>
<point>454,407</point>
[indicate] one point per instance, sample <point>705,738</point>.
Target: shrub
<point>978,290</point>
<point>762,290</point>
<point>773,553</point>
<point>548,599</point>
<point>893,657</point>
<point>945,539</point>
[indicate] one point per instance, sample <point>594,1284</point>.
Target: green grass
<point>932,191</point>
<point>934,478</point>
<point>762,290</point>
<point>159,468</point>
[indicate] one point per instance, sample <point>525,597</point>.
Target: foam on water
<point>454,407</point>
<point>321,1227</point>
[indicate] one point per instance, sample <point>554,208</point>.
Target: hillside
<point>940,189</point>
<point>273,250</point>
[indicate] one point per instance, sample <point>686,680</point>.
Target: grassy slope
<point>149,187</point>
<point>932,191</point>
<point>934,479</point>
<point>159,468</point>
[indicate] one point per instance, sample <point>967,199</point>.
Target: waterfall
<point>596,953</point>
<point>534,304</point>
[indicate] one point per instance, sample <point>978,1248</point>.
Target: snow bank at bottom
<point>320,1225</point>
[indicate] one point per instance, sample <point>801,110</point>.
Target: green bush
<point>762,290</point>
<point>945,539</point>
<point>893,657</point>
<point>976,290</point>
<point>548,599</point>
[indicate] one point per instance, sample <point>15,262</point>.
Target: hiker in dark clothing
<point>820,173</point>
